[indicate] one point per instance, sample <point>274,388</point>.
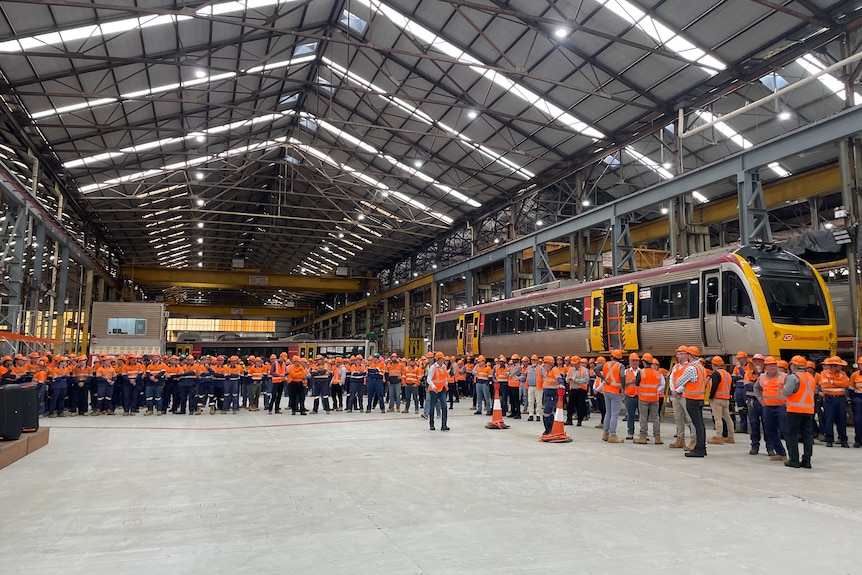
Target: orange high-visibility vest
<point>483,372</point>
<point>856,382</point>
<point>611,375</point>
<point>549,379</point>
<point>695,389</point>
<point>802,400</point>
<point>723,390</point>
<point>439,378</point>
<point>648,388</point>
<point>411,375</point>
<point>502,375</point>
<point>834,384</point>
<point>772,387</point>
<point>278,374</point>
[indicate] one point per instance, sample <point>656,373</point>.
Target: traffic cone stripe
<point>497,418</point>
<point>558,433</point>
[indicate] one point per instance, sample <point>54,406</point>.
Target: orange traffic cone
<point>497,419</point>
<point>558,433</point>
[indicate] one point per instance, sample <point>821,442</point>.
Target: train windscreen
<point>794,300</point>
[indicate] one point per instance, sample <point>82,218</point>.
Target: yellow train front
<point>757,299</point>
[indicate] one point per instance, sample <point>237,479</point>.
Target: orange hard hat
<point>769,360</point>
<point>682,348</point>
<point>810,364</point>
<point>480,358</point>
<point>548,359</point>
<point>294,358</point>
<point>782,364</point>
<point>516,356</point>
<point>233,358</point>
<point>601,360</point>
<point>439,355</point>
<point>634,357</point>
<point>534,356</point>
<point>717,360</point>
<point>798,360</point>
<point>617,354</point>
<point>576,359</point>
<point>694,350</point>
<point>647,357</point>
<point>283,354</point>
<point>741,354</point>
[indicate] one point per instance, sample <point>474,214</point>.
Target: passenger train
<point>264,348</point>
<point>757,298</point>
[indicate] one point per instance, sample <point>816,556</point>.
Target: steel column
<point>542,272</point>
<point>754,225</point>
<point>508,262</point>
<point>622,251</point>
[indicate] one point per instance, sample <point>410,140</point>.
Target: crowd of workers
<point>770,399</point>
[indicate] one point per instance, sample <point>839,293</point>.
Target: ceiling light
<point>201,138</point>
<point>340,235</point>
<point>472,114</point>
<point>699,197</point>
<point>200,253</point>
<point>667,165</point>
<point>200,240</point>
<point>496,240</point>
<point>200,264</point>
<point>200,224</point>
<point>828,225</point>
<point>561,32</point>
<point>200,74</point>
<point>433,266</point>
<point>539,222</point>
<point>199,202</point>
<point>360,217</point>
<point>664,209</point>
<point>199,175</point>
<point>418,163</point>
<point>784,116</point>
<point>585,202</point>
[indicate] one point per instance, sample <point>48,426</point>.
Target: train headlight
<point>775,334</point>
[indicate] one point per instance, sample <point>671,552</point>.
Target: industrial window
<point>446,330</point>
<point>353,22</point>
<point>127,326</point>
<point>509,322</point>
<point>492,324</point>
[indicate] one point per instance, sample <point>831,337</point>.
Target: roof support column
<point>622,252</point>
<point>849,158</point>
<point>384,335</point>
<point>753,216</point>
<point>58,321</point>
<point>542,272</point>
<point>507,276</point>
<point>36,283</point>
<point>407,330</point>
<point>672,230</point>
<point>469,288</point>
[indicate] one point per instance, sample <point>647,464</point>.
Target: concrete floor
<point>381,494</point>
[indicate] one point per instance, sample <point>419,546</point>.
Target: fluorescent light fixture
<point>539,223</point>
<point>784,115</point>
<point>200,202</point>
<point>472,114</point>
<point>561,32</point>
<point>699,197</point>
<point>725,130</point>
<point>200,224</point>
<point>812,65</point>
<point>664,210</point>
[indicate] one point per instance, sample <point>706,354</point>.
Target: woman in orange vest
<point>610,377</point>
<point>719,402</point>
<point>799,392</point>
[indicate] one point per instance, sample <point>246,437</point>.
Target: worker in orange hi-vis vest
<point>693,380</point>
<point>610,377</point>
<point>483,374</point>
<point>339,377</point>
<point>410,376</point>
<point>630,398</point>
<point>395,381</point>
<point>650,388</point>
<point>551,380</point>
<point>856,391</point>
<point>799,392</point>
<point>719,402</point>
<point>833,385</point>
<point>680,414</point>
<point>438,386</point>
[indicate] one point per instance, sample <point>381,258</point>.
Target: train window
<point>794,300</point>
<point>736,301</point>
<point>671,301</point>
<point>572,314</point>
<point>547,317</point>
<point>526,319</point>
<point>597,312</point>
<point>509,322</point>
<point>492,324</point>
<point>446,330</point>
<point>711,295</point>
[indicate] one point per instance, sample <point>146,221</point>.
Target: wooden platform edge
<point>12,451</point>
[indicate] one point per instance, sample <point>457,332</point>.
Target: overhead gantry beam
<point>223,311</point>
<point>166,277</point>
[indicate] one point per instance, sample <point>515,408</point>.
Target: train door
<point>471,333</point>
<point>630,314</point>
<point>183,349</point>
<point>307,350</point>
<point>462,322</point>
<point>597,321</point>
<point>614,315</point>
<point>711,309</point>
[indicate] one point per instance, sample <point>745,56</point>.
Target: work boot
<point>805,463</point>
<point>405,411</point>
<point>729,440</point>
<point>691,445</point>
<point>390,410</point>
<point>678,443</point>
<point>599,426</point>
<point>212,410</point>
<point>604,436</point>
<point>753,451</point>
<point>614,439</point>
<point>148,412</point>
<point>658,440</point>
<point>795,464</point>
<point>630,437</point>
<point>198,411</point>
<point>777,457</point>
<point>96,412</point>
<point>642,440</point>
<point>715,440</point>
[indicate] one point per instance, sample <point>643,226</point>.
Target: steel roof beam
<point>240,280</point>
<point>831,129</point>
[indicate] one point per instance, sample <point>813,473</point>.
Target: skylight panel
<point>353,22</point>
<point>307,48</point>
<point>423,117</point>
<point>737,138</point>
<point>649,163</point>
<point>774,81</point>
<point>425,36</point>
<point>663,35</point>
<point>612,161</point>
<point>129,24</point>
<point>813,65</point>
<point>353,140</point>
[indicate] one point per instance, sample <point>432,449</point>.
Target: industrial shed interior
<point>349,169</point>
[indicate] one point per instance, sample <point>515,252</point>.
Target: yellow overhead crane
<point>223,311</point>
<point>242,280</point>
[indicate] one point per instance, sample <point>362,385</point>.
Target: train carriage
<point>757,298</point>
